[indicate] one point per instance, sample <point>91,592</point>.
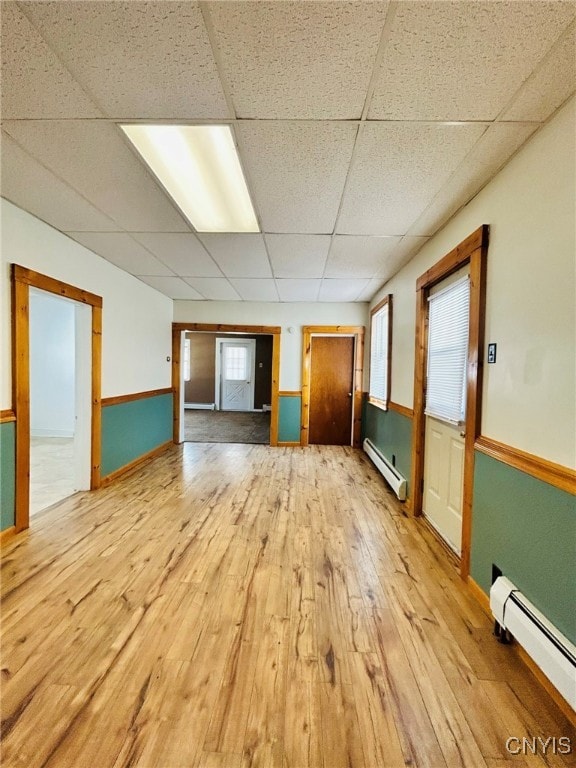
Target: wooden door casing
<point>331,390</point>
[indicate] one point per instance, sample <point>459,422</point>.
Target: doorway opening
<point>332,368</point>
<point>437,459</point>
<point>87,354</point>
<point>60,391</point>
<point>226,383</point>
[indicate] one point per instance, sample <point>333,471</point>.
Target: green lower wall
<point>391,433</point>
<point>7,473</point>
<point>132,429</point>
<point>528,529</point>
<point>289,410</point>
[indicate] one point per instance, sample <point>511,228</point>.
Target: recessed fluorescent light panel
<point>199,167</point>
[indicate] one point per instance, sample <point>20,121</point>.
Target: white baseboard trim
<point>51,433</point>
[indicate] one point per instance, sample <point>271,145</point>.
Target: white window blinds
<point>379,357</point>
<point>448,352</point>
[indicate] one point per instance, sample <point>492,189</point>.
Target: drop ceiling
<point>362,127</point>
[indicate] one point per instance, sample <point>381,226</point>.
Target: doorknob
<point>462,434</point>
<point>349,394</point>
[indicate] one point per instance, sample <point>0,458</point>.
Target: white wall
<point>136,319</point>
<point>287,315</point>
<point>529,394</point>
<point>52,365</point>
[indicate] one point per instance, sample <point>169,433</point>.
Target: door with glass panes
<point>237,375</point>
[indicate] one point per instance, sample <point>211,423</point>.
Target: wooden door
<point>331,390</point>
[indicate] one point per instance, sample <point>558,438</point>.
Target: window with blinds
<point>380,349</point>
<point>448,319</point>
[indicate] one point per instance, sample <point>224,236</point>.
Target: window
<point>187,371</point>
<point>448,318</point>
<point>380,352</point>
<point>236,365</point>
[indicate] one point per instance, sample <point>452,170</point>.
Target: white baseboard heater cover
<point>200,406</point>
<point>388,472</point>
<point>550,650</point>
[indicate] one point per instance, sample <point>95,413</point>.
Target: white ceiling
<point>362,127</point>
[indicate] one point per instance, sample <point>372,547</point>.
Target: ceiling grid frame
<point>410,240</point>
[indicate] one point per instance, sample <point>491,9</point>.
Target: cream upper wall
<point>529,393</point>
<point>136,319</point>
<point>287,315</point>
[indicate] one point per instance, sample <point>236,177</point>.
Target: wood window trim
<point>357,331</point>
<point>378,402</point>
<point>258,330</point>
<point>473,251</point>
<point>22,280</point>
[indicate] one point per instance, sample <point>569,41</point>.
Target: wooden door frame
<point>257,330</point>
<point>357,332</point>
<point>473,251</point>
<point>22,280</point>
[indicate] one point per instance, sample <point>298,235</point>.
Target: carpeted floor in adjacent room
<point>202,426</point>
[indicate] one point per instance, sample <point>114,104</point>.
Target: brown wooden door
<point>331,390</point>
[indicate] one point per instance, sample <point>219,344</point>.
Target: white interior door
<point>444,449</point>
<point>444,479</point>
<point>237,368</point>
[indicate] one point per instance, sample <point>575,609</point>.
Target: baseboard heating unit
<point>388,472</point>
<point>550,650</point>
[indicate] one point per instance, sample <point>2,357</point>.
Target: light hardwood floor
<point>228,606</point>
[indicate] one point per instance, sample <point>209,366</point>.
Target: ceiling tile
<point>181,251</point>
<point>371,289</point>
<point>298,59</point>
<point>123,251</point>
<point>174,287</point>
<point>137,59</point>
<point>341,290</point>
<point>213,288</point>
<point>298,255</point>
<point>398,168</point>
<point>359,256</point>
<point>256,290</point>
<point>493,150</point>
<point>550,85</point>
<point>407,248</point>
<point>298,290</point>
<point>403,253</point>
<point>31,187</point>
<point>35,84</point>
<point>456,60</point>
<point>238,255</point>
<point>297,172</point>
<point>93,158</point>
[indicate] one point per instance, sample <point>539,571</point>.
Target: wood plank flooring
<point>228,606</point>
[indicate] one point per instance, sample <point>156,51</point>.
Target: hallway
<point>237,605</point>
